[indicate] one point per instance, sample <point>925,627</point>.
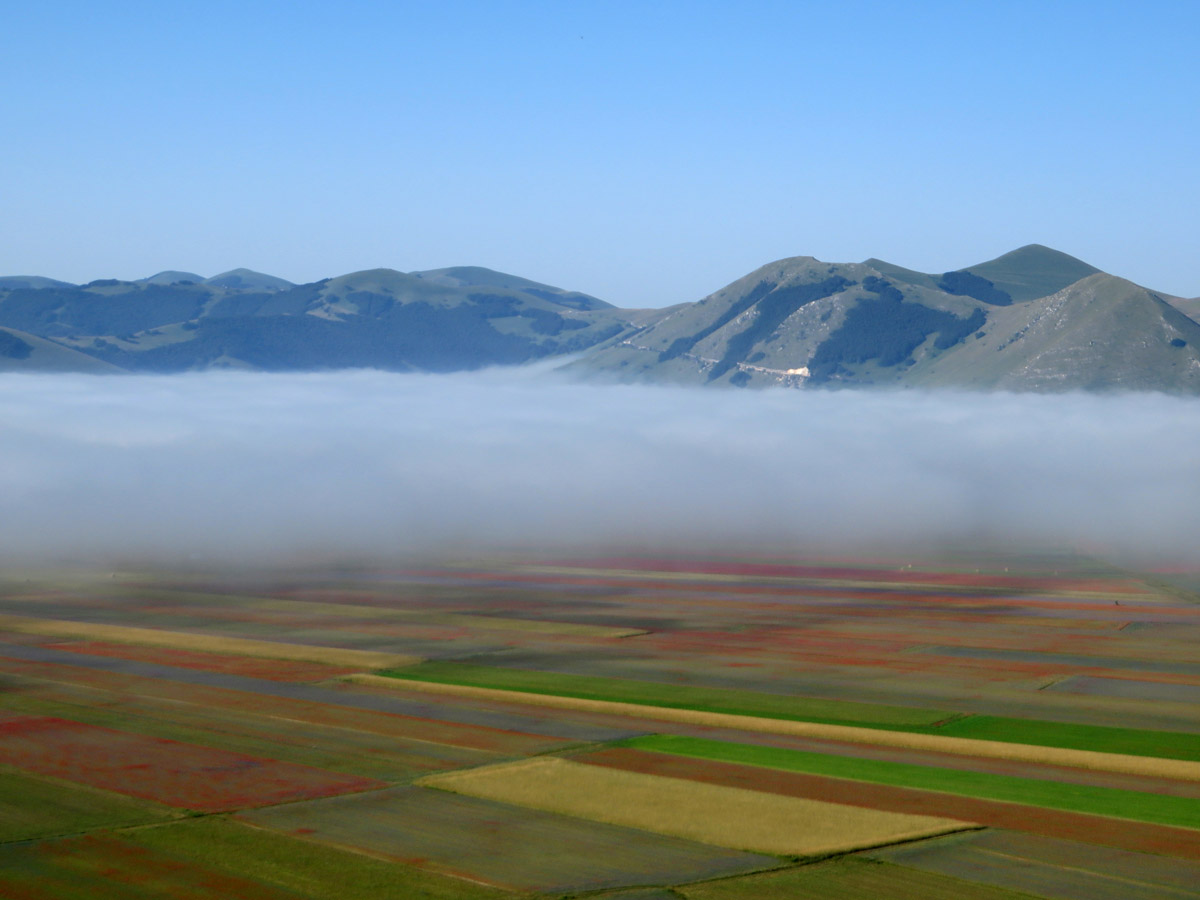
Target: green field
<point>1135,742</point>
<point>847,879</point>
<point>36,808</point>
<point>1132,741</point>
<point>311,870</point>
<point>1183,812</point>
<point>675,696</point>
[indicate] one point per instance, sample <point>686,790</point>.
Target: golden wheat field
<point>712,814</point>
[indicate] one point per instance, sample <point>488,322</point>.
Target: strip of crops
<point>1161,809</point>
<point>1131,741</point>
<point>728,701</point>
<point>675,696</point>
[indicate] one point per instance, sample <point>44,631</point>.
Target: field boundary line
<point>1153,767</point>
<point>185,640</point>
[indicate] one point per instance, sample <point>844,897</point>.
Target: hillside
<point>1189,307</point>
<point>1100,333</point>
<point>178,321</point>
<point>1032,319</point>
<point>248,280</point>
<point>803,322</point>
<point>1032,271</point>
<point>477,276</point>
<point>23,352</point>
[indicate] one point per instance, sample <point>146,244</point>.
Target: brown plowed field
<point>1128,835</point>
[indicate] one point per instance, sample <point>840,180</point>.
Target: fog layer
<point>231,467</point>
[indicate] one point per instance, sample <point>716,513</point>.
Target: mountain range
<point>1033,319</point>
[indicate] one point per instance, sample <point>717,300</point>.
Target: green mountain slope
<point>477,276</point>
<point>793,321</point>
<point>802,322</point>
<point>248,280</point>
<point>36,282</point>
<point>176,321</point>
<point>1022,275</point>
<point>1189,307</point>
<point>1101,333</point>
<point>1032,319</point>
<point>24,352</point>
<point>1032,271</point>
<point>171,277</point>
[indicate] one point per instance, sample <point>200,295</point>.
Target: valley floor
<point>969,725</point>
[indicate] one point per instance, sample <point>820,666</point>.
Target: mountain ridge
<point>1031,319</point>
<point>803,322</point>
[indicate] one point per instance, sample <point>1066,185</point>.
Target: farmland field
<point>501,845</point>
<point>712,814</point>
<point>1166,810</point>
<point>33,808</point>
<point>641,727</point>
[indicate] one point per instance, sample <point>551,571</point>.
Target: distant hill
<point>1033,319</point>
<point>1031,272</point>
<point>476,276</point>
<point>23,352</point>
<point>248,280</point>
<point>178,321</point>
<point>1101,333</point>
<point>1024,274</point>
<point>35,282</point>
<point>170,277</point>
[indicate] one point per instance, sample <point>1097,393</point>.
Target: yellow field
<point>1181,770</point>
<point>712,814</point>
<point>183,640</point>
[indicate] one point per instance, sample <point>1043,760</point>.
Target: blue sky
<point>647,153</point>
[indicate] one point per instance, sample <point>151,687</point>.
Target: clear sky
<point>645,152</point>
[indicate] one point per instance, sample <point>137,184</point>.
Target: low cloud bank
<point>246,468</point>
